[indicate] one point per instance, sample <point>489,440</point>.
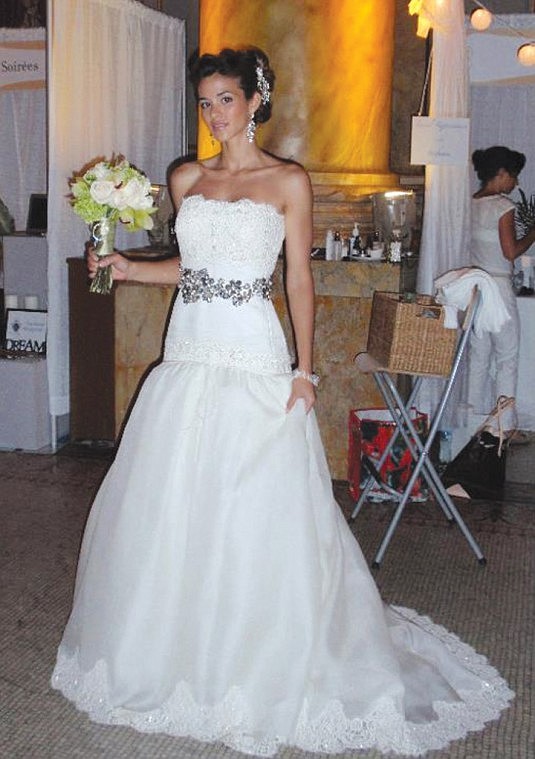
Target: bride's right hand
<point>120,265</point>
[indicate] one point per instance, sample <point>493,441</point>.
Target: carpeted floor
<point>43,505</point>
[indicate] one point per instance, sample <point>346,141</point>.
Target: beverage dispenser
<point>394,216</point>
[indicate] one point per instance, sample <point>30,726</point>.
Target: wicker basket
<point>409,336</point>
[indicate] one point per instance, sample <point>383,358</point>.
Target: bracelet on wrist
<point>312,378</point>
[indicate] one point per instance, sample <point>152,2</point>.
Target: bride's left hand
<point>303,390</point>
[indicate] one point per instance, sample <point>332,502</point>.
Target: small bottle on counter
<point>352,239</point>
<point>356,251</point>
<point>337,249</point>
<point>355,244</point>
<point>377,241</point>
<point>329,245</point>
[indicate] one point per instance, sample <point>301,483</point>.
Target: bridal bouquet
<point>105,193</point>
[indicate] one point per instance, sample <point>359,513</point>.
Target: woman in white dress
<point>494,247</point>
<point>220,593</point>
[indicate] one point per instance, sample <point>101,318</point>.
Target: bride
<point>220,593</point>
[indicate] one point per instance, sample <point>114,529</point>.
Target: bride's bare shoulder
<point>183,178</point>
<point>292,178</point>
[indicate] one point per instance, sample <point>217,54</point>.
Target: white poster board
<point>26,331</point>
<point>439,141</point>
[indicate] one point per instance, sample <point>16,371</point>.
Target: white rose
<point>117,199</point>
<point>133,195</point>
<point>102,192</point>
<point>101,171</point>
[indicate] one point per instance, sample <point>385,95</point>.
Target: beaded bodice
<point>239,236</point>
<point>222,314</point>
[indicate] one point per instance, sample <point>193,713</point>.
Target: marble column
<point>332,105</point>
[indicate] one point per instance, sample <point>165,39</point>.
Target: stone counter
<point>134,318</point>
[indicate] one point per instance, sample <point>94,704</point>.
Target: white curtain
<point>502,93</point>
<point>116,85</point>
<point>505,115</point>
<point>501,104</point>
<point>446,220</point>
<point>23,138</point>
<point>502,109</point>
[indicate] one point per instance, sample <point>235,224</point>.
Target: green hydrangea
<point>84,205</point>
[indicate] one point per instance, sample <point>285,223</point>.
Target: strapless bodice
<point>238,238</point>
<point>228,246</point>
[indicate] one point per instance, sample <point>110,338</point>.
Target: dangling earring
<point>251,129</point>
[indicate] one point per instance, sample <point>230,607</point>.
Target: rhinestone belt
<point>197,284</point>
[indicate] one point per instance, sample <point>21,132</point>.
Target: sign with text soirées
<point>22,65</point>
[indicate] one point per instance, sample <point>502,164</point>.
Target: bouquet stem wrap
<point>103,239</point>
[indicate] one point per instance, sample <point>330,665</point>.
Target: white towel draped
<point>454,289</point>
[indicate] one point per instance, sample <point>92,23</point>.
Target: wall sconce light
<point>526,54</point>
<point>481,19</point>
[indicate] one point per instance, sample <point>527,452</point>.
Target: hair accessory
<point>262,84</point>
<point>251,129</point>
<point>312,378</point>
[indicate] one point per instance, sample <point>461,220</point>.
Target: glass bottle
<point>337,246</point>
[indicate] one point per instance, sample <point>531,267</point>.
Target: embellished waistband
<point>197,284</point>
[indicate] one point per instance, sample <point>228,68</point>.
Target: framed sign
<point>439,141</point>
<point>26,331</point>
<point>23,64</point>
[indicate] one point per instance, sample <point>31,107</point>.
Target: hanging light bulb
<point>481,19</point>
<point>526,54</point>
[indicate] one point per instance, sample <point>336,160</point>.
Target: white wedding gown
<point>220,593</point>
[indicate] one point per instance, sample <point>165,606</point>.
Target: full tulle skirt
<point>221,595</point>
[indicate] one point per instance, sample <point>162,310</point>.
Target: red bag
<point>369,433</point>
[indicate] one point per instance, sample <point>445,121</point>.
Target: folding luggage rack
<point>419,451</point>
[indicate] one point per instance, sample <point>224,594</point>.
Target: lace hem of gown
<point>216,353</point>
<point>228,721</point>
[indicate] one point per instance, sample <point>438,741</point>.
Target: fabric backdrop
<point>446,220</point>
<point>116,85</point>
<point>23,139</point>
<point>446,208</point>
<point>501,106</point>
<point>502,93</point>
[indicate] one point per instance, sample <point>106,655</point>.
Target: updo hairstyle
<point>240,65</point>
<point>488,163</point>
